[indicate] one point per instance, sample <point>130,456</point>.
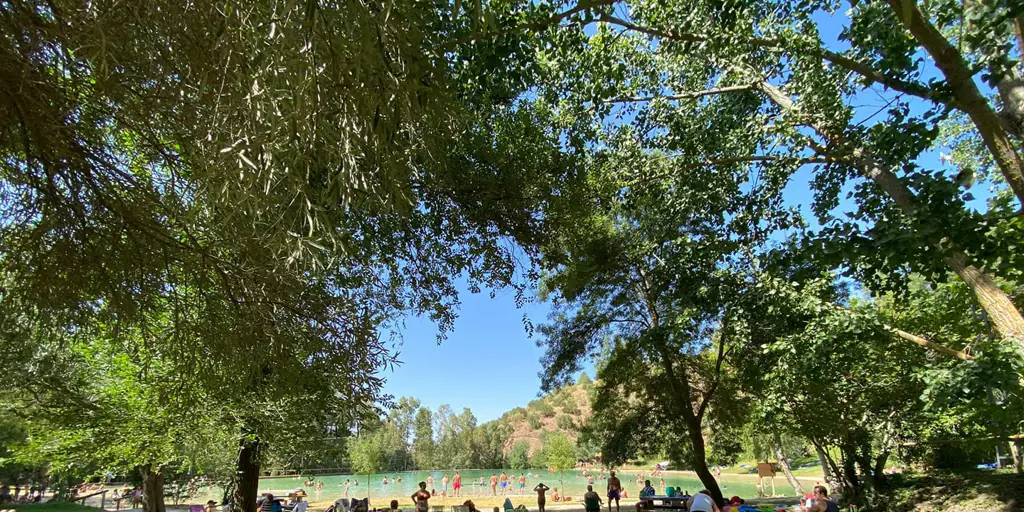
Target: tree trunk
<point>833,474</point>
<point>681,390</point>
<point>784,464</point>
<point>152,489</point>
<point>247,477</point>
<point>1002,312</point>
<point>879,474</point>
<point>969,98</point>
<point>1005,317</point>
<point>1017,448</point>
<point>1011,92</point>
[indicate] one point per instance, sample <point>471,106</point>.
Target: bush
<point>565,423</point>
<point>534,421</point>
<point>519,455</point>
<point>545,409</point>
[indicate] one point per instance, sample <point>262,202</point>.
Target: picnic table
<point>669,502</point>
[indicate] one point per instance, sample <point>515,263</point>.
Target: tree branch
<point>931,345</point>
<point>554,19</point>
<point>960,78</point>
<point>684,96</point>
<point>736,160</point>
<point>861,68</point>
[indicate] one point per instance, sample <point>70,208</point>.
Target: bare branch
<point>931,345</point>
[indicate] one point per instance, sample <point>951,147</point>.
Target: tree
<point>559,454</point>
<point>261,238</point>
<point>519,455</point>
<point>664,65</point>
<point>423,440</point>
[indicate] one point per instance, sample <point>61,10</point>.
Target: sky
<point>490,364</point>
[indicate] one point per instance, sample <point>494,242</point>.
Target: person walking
<point>614,490</point>
<point>494,484</point>
<point>541,498</point>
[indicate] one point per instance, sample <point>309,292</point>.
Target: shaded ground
<point>955,492</point>
<point>50,507</point>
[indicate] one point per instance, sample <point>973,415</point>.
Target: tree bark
<point>1011,92</point>
<point>1003,313</point>
<point>152,489</point>
<point>247,476</point>
<point>681,390</point>
<point>786,470</point>
<point>1017,449</point>
<point>969,98</point>
<point>833,474</point>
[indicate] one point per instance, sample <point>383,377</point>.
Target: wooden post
<point>103,500</point>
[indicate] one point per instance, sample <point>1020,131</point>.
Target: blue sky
<point>490,364</point>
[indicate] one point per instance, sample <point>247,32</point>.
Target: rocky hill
<point>564,411</point>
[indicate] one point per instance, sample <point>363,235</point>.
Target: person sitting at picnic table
<point>394,506</point>
<point>822,503</point>
<point>647,490</point>
<point>683,494</point>
<point>471,505</point>
<point>591,500</point>
<point>211,506</point>
<point>270,504</point>
<point>702,502</point>
<point>300,506</point>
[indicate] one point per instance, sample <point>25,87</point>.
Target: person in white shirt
<point>300,506</point>
<point>702,502</point>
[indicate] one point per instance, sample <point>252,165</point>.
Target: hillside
<point>564,411</point>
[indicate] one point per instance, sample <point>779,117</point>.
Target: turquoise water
<point>572,483</point>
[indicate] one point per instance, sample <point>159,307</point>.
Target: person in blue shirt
<point>647,490</point>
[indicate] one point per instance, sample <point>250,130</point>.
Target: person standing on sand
<point>504,483</point>
<point>347,484</point>
<point>420,498</point>
<point>457,484</point>
<point>522,483</point>
<point>494,484</point>
<point>541,499</point>
<point>444,485</point>
<point>614,489</point>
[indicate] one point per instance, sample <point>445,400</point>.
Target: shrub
<point>534,421</point>
<point>565,423</point>
<point>545,409</point>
